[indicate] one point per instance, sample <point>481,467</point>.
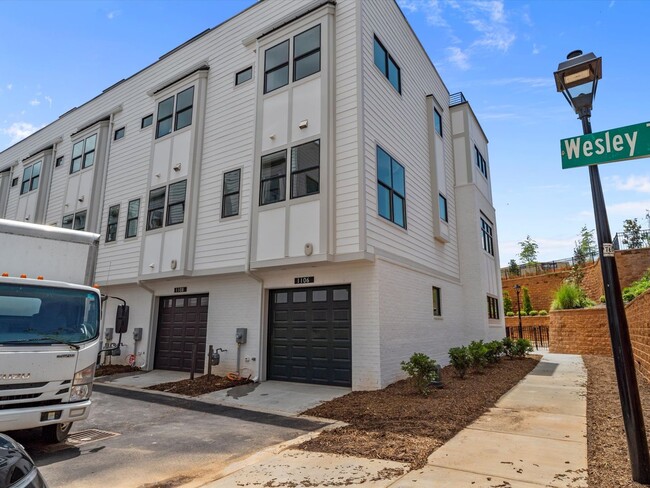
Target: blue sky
<point>55,55</point>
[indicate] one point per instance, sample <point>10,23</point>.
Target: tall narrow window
<point>89,152</point>
<point>77,151</point>
<point>481,162</point>
<point>132,214</point>
<point>442,203</point>
<point>156,210</point>
<point>305,169</point>
<point>111,228</point>
<point>391,192</point>
<point>59,162</point>
<point>165,117</point>
<point>387,65</point>
<point>230,195</point>
<point>79,221</point>
<point>31,177</point>
<point>184,108</point>
<point>437,310</point>
<point>437,122</point>
<point>486,234</point>
<point>176,203</point>
<point>306,53</point>
<point>493,307</point>
<point>276,67</point>
<point>273,178</point>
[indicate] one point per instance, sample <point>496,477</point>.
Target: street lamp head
<point>517,288</point>
<point>577,79</point>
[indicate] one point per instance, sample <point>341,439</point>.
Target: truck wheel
<point>55,433</point>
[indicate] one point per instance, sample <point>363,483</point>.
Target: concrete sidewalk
<point>535,436</point>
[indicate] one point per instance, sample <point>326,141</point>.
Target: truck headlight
<point>82,384</point>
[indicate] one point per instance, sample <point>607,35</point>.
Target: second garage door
<point>310,335</point>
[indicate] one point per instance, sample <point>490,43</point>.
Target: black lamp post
<point>521,329</point>
<point>577,79</point>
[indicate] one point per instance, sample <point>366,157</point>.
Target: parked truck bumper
<point>29,418</point>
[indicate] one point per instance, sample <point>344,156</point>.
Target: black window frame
<point>307,54</point>
<point>278,67</point>
<point>391,191</point>
<point>119,133</point>
<point>111,223</point>
<point>481,163</point>
<point>437,122</point>
<point>67,221</point>
<point>436,299</point>
<point>282,178</point>
<point>237,75</point>
<point>78,218</point>
<point>175,203</point>
<point>225,193</point>
<point>167,117</point>
<point>83,156</point>
<point>185,108</point>
<point>130,219</point>
<point>442,204</point>
<point>151,210</point>
<point>487,235</point>
<point>146,121</point>
<point>32,181</point>
<point>297,173</point>
<point>493,307</point>
<point>14,182</point>
<point>386,68</point>
<point>59,161</point>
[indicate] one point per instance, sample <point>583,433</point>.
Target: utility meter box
<point>240,336</point>
<point>137,334</point>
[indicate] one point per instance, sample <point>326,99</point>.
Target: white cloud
<point>48,100</point>
<point>636,183</point>
<point>19,130</point>
<point>458,57</point>
<point>10,86</point>
<point>432,10</point>
<point>536,49</point>
<point>628,210</point>
<point>113,14</point>
<point>34,102</point>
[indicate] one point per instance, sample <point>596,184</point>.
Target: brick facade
<point>638,320</point>
<point>581,331</point>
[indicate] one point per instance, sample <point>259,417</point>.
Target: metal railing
<point>456,99</point>
<point>533,269</point>
<point>537,334</point>
<point>627,240</point>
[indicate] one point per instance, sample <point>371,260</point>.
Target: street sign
<point>631,142</point>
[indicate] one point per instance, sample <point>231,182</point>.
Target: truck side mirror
<point>122,319</point>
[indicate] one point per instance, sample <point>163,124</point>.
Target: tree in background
<point>632,234</point>
<point>507,302</point>
<point>528,254</point>
<point>513,268</point>
<point>528,305</point>
<point>584,248</point>
<point>587,242</point>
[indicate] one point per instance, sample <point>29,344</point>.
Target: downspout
<point>50,178</point>
<point>105,169</point>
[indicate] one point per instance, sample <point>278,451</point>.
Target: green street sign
<point>631,142</point>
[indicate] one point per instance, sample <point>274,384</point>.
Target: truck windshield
<point>47,315</point>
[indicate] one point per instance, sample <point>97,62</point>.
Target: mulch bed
<point>398,424</point>
<point>109,369</point>
<point>608,461</point>
<point>200,385</point>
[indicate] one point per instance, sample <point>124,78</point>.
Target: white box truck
<point>49,327</point>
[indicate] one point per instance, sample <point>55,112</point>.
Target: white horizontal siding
<point>398,123</point>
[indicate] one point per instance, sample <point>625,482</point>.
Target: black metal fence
<point>629,240</point>
<point>533,269</point>
<point>536,334</point>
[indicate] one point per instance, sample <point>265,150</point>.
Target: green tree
<point>528,305</point>
<point>632,234</point>
<point>584,248</point>
<point>507,302</point>
<point>513,268</point>
<point>587,243</point>
<point>528,253</point>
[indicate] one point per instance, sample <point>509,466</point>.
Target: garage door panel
<point>309,335</point>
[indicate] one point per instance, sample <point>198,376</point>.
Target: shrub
<point>523,313</point>
<point>543,312</point>
<point>533,313</point>
<point>521,348</point>
<point>528,305</point>
<point>602,299</point>
<point>478,353</point>
<point>494,351</point>
<point>460,359</point>
<point>508,346</point>
<point>637,288</point>
<point>570,296</point>
<point>507,302</point>
<point>510,314</point>
<point>422,370</point>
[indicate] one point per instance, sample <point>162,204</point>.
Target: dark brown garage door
<point>182,322</point>
<point>310,335</point>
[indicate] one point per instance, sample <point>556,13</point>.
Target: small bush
<point>570,296</point>
<point>508,346</point>
<point>510,314</point>
<point>543,312</point>
<point>478,353</point>
<point>422,370</point>
<point>636,288</point>
<point>523,313</point>
<point>460,359</point>
<point>528,305</point>
<point>521,348</point>
<point>533,313</point>
<point>494,351</point>
<point>602,299</point>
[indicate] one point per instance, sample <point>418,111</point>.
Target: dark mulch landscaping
<point>398,424</point>
<point>609,464</point>
<point>109,369</point>
<point>200,385</point>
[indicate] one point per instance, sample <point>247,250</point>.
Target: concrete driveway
<point>162,441</point>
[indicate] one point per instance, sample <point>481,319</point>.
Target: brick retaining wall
<point>638,319</point>
<point>580,331</point>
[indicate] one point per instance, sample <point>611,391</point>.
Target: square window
<point>319,296</point>
<point>244,75</point>
<point>230,195</point>
<point>180,303</point>
<point>119,133</point>
<point>281,297</point>
<point>305,169</point>
<point>437,310</point>
<point>273,178</point>
<point>442,203</point>
<point>146,121</point>
<point>299,296</point>
<point>340,295</point>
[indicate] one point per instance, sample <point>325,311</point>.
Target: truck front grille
<point>19,397</point>
<point>22,386</point>
<point>43,403</point>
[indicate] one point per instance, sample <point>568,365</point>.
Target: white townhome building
<point>299,171</point>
